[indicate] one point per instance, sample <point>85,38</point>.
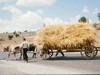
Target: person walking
<point>59,51</point>
<point>25,46</point>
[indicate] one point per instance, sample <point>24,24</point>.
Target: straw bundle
<point>66,36</point>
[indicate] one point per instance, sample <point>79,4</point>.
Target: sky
<point>21,15</point>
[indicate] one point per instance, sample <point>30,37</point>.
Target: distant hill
<point>21,34</point>
<point>18,40</point>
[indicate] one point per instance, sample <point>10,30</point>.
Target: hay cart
<point>72,38</point>
<point>87,51</point>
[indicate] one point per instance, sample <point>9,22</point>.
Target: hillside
<point>21,34</point>
<point>18,40</point>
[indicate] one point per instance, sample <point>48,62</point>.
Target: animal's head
<point>31,45</point>
<point>6,49</point>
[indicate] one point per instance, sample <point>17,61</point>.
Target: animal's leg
<point>20,56</point>
<point>8,56</point>
<point>33,55</point>
<point>15,56</point>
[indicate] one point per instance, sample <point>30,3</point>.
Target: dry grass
<point>66,36</point>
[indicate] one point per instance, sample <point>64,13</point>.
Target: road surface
<point>72,63</point>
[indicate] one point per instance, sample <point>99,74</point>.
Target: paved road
<point>72,63</point>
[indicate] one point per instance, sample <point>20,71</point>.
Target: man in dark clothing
<point>25,46</point>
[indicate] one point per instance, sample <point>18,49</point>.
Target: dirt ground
<point>15,41</point>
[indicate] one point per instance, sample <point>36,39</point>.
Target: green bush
<point>10,37</point>
<point>83,19</point>
<point>16,34</point>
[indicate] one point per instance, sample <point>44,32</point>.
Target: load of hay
<point>66,36</point>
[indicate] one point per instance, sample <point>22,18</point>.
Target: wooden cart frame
<point>88,52</point>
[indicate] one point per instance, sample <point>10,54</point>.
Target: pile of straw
<point>66,36</point>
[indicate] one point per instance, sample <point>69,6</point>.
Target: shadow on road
<point>72,58</point>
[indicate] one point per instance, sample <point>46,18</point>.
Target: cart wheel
<point>44,56</point>
<point>89,52</point>
<point>39,54</point>
<point>50,53</point>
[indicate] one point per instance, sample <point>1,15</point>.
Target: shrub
<point>16,34</point>
<point>10,37</point>
<point>83,19</point>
